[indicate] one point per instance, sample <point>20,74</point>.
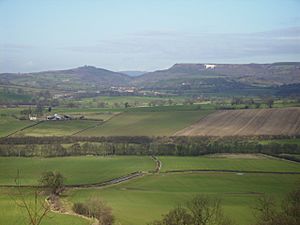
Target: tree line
<point>174,146</point>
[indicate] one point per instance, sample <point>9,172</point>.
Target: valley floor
<point>142,199</point>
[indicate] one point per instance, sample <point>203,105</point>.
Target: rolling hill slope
<point>263,74</point>
<point>85,77</point>
<point>232,79</point>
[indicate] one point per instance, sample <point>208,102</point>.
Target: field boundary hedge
<point>142,145</point>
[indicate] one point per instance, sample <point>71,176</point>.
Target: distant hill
<point>133,73</point>
<point>78,78</point>
<point>191,79</point>
<point>249,74</point>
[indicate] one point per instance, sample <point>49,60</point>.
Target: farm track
<point>92,185</point>
<point>56,206</point>
<point>247,122</point>
<point>140,174</point>
<point>158,164</point>
<point>131,176</point>
<point>87,128</point>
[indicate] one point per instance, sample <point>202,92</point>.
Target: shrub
<point>95,208</point>
<point>80,208</point>
<point>201,210</point>
<point>53,181</point>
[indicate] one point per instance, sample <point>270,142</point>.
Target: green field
<point>57,128</point>
<point>142,200</point>
<point>11,214</point>
<point>133,101</point>
<point>88,113</point>
<point>9,123</point>
<point>228,162</point>
<point>147,123</point>
<point>77,170</point>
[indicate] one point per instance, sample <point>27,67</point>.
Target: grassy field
<point>228,162</point>
<point>77,170</point>
<point>147,123</point>
<point>151,121</point>
<point>14,215</point>
<point>142,200</point>
<point>10,124</point>
<point>57,128</point>
<point>133,101</point>
<point>88,113</point>
<point>171,108</point>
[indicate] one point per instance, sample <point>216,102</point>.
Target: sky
<point>146,35</point>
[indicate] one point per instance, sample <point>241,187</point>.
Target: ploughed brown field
<point>283,121</point>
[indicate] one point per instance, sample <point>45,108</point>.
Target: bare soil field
<point>246,122</point>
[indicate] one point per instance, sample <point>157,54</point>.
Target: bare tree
<point>201,210</point>
<point>35,210</point>
<point>265,210</point>
<point>205,210</point>
<point>268,213</point>
<point>177,216</point>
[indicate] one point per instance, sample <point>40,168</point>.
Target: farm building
<point>32,118</point>
<point>55,117</point>
<point>59,117</point>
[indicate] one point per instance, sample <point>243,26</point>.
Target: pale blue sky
<point>145,34</point>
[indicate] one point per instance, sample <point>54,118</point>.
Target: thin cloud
<point>187,46</point>
<point>13,46</point>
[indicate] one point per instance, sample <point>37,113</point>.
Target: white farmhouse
<point>32,118</point>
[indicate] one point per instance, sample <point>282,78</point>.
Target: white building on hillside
<point>210,66</point>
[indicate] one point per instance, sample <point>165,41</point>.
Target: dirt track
<point>246,122</point>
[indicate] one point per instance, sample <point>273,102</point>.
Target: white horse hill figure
<point>210,66</point>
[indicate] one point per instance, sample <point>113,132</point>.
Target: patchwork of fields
<point>238,179</point>
<point>140,122</point>
<point>164,122</point>
<point>285,121</point>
